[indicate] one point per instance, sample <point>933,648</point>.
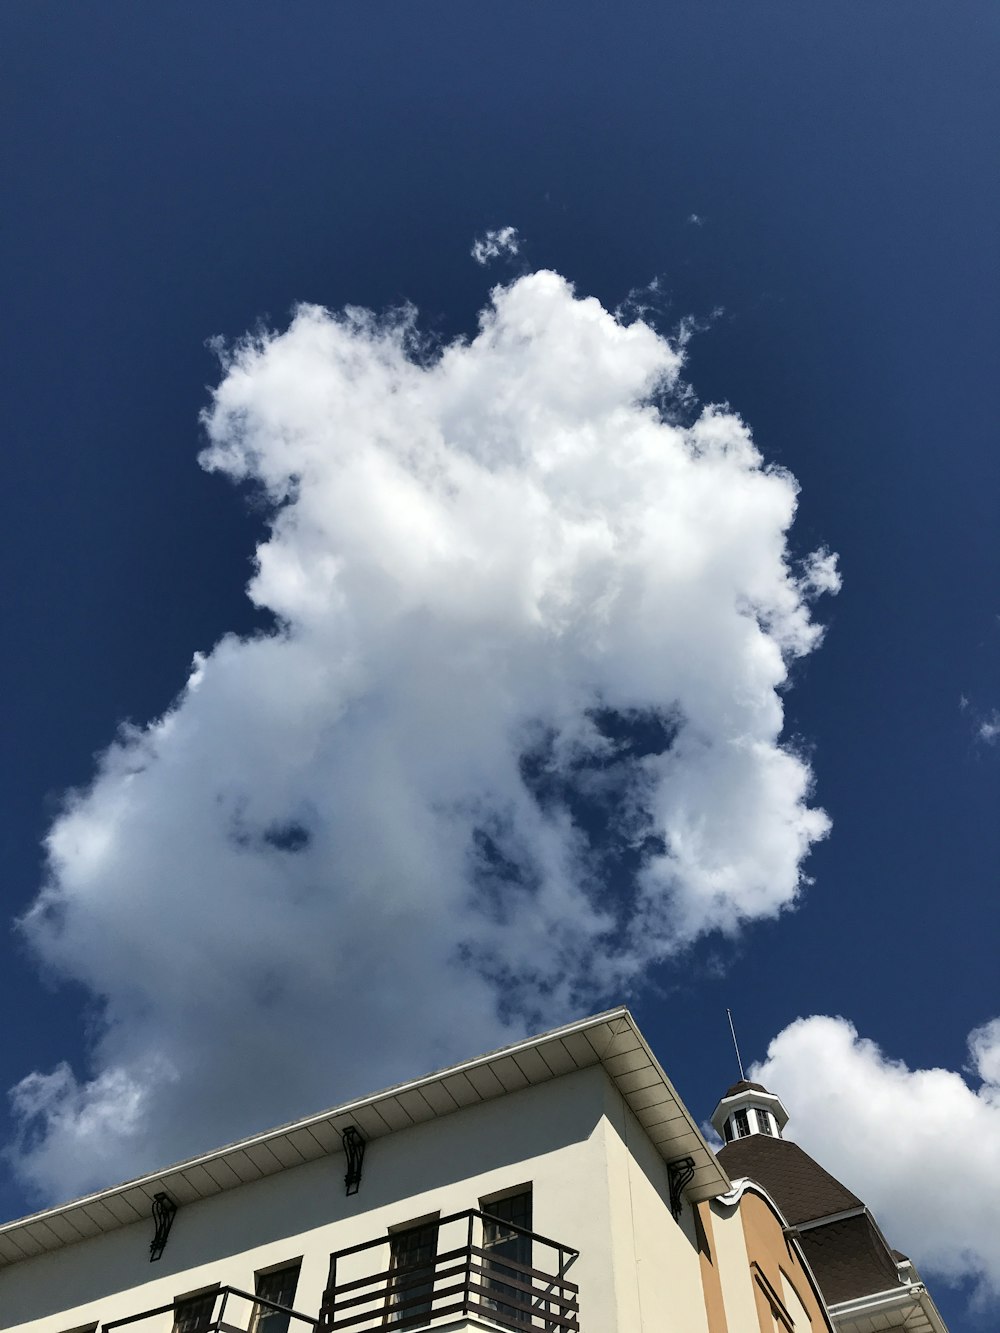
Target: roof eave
<point>611,1039</point>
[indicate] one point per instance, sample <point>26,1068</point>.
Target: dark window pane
<point>502,1241</point>
<point>412,1256</point>
<point>279,1287</point>
<point>742,1121</point>
<point>764,1123</point>
<point>194,1314</point>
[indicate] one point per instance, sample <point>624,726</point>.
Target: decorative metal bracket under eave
<point>680,1173</point>
<point>354,1147</point>
<point>164,1211</point>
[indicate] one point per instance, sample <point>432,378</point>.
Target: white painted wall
<point>657,1272</point>
<point>598,1185</point>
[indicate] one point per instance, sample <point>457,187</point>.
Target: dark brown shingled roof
<point>745,1085</point>
<point>798,1185</point>
<point>849,1259</point>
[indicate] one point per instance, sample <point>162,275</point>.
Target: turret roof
<point>745,1085</point>
<point>799,1186</point>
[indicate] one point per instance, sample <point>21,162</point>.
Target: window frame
<point>200,1293</point>
<point>496,1268</point>
<point>764,1122</point>
<point>258,1315</point>
<point>424,1223</point>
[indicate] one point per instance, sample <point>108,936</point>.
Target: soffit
<point>611,1040</point>
<point>910,1312</point>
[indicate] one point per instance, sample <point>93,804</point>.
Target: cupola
<point>748,1108</point>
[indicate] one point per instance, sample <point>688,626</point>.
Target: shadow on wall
<point>422,1160</point>
<point>644,1155</point>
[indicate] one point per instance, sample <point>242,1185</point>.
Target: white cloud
<point>493,244</point>
<point>696,220</point>
<point>920,1146</point>
<point>516,738</point>
<point>986,725</point>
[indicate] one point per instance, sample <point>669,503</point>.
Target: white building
<point>557,1184</point>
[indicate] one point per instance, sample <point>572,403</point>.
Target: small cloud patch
<point>986,725</point>
<point>493,244</point>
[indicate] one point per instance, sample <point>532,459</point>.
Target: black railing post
<point>331,1309</point>
<point>224,1293</point>
<point>468,1267</point>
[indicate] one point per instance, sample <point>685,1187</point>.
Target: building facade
<point>558,1184</point>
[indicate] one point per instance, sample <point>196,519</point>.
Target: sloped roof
<point>744,1085</point>
<point>799,1186</point>
<point>611,1040</point>
<point>847,1252</point>
<point>849,1258</point>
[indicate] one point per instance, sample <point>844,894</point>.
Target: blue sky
<point>811,189</point>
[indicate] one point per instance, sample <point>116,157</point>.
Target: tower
<point>748,1108</point>
<point>866,1284</point>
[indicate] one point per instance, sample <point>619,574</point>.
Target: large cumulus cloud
<point>515,736</point>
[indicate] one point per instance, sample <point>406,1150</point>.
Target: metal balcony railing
<point>224,1310</point>
<point>466,1264</point>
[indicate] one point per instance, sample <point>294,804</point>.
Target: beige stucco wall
<point>733,1269</point>
<point>708,1259</point>
<point>748,1238</point>
<point>772,1252</point>
<point>598,1185</point>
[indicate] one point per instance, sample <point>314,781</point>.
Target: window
<point>793,1302</point>
<point>742,1123</point>
<point>412,1257</point>
<point>278,1286</point>
<point>781,1319</point>
<point>764,1122</point>
<point>506,1238</point>
<point>193,1314</point>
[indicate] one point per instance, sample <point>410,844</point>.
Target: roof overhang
<point>912,1304</point>
<point>611,1040</point>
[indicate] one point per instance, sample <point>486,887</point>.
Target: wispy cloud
<point>919,1145</point>
<point>493,244</point>
<point>986,725</point>
<point>516,735</point>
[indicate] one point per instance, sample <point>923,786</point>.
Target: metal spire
<point>736,1044</point>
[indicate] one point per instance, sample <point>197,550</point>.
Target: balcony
<point>469,1266</point>
<point>224,1310</point>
